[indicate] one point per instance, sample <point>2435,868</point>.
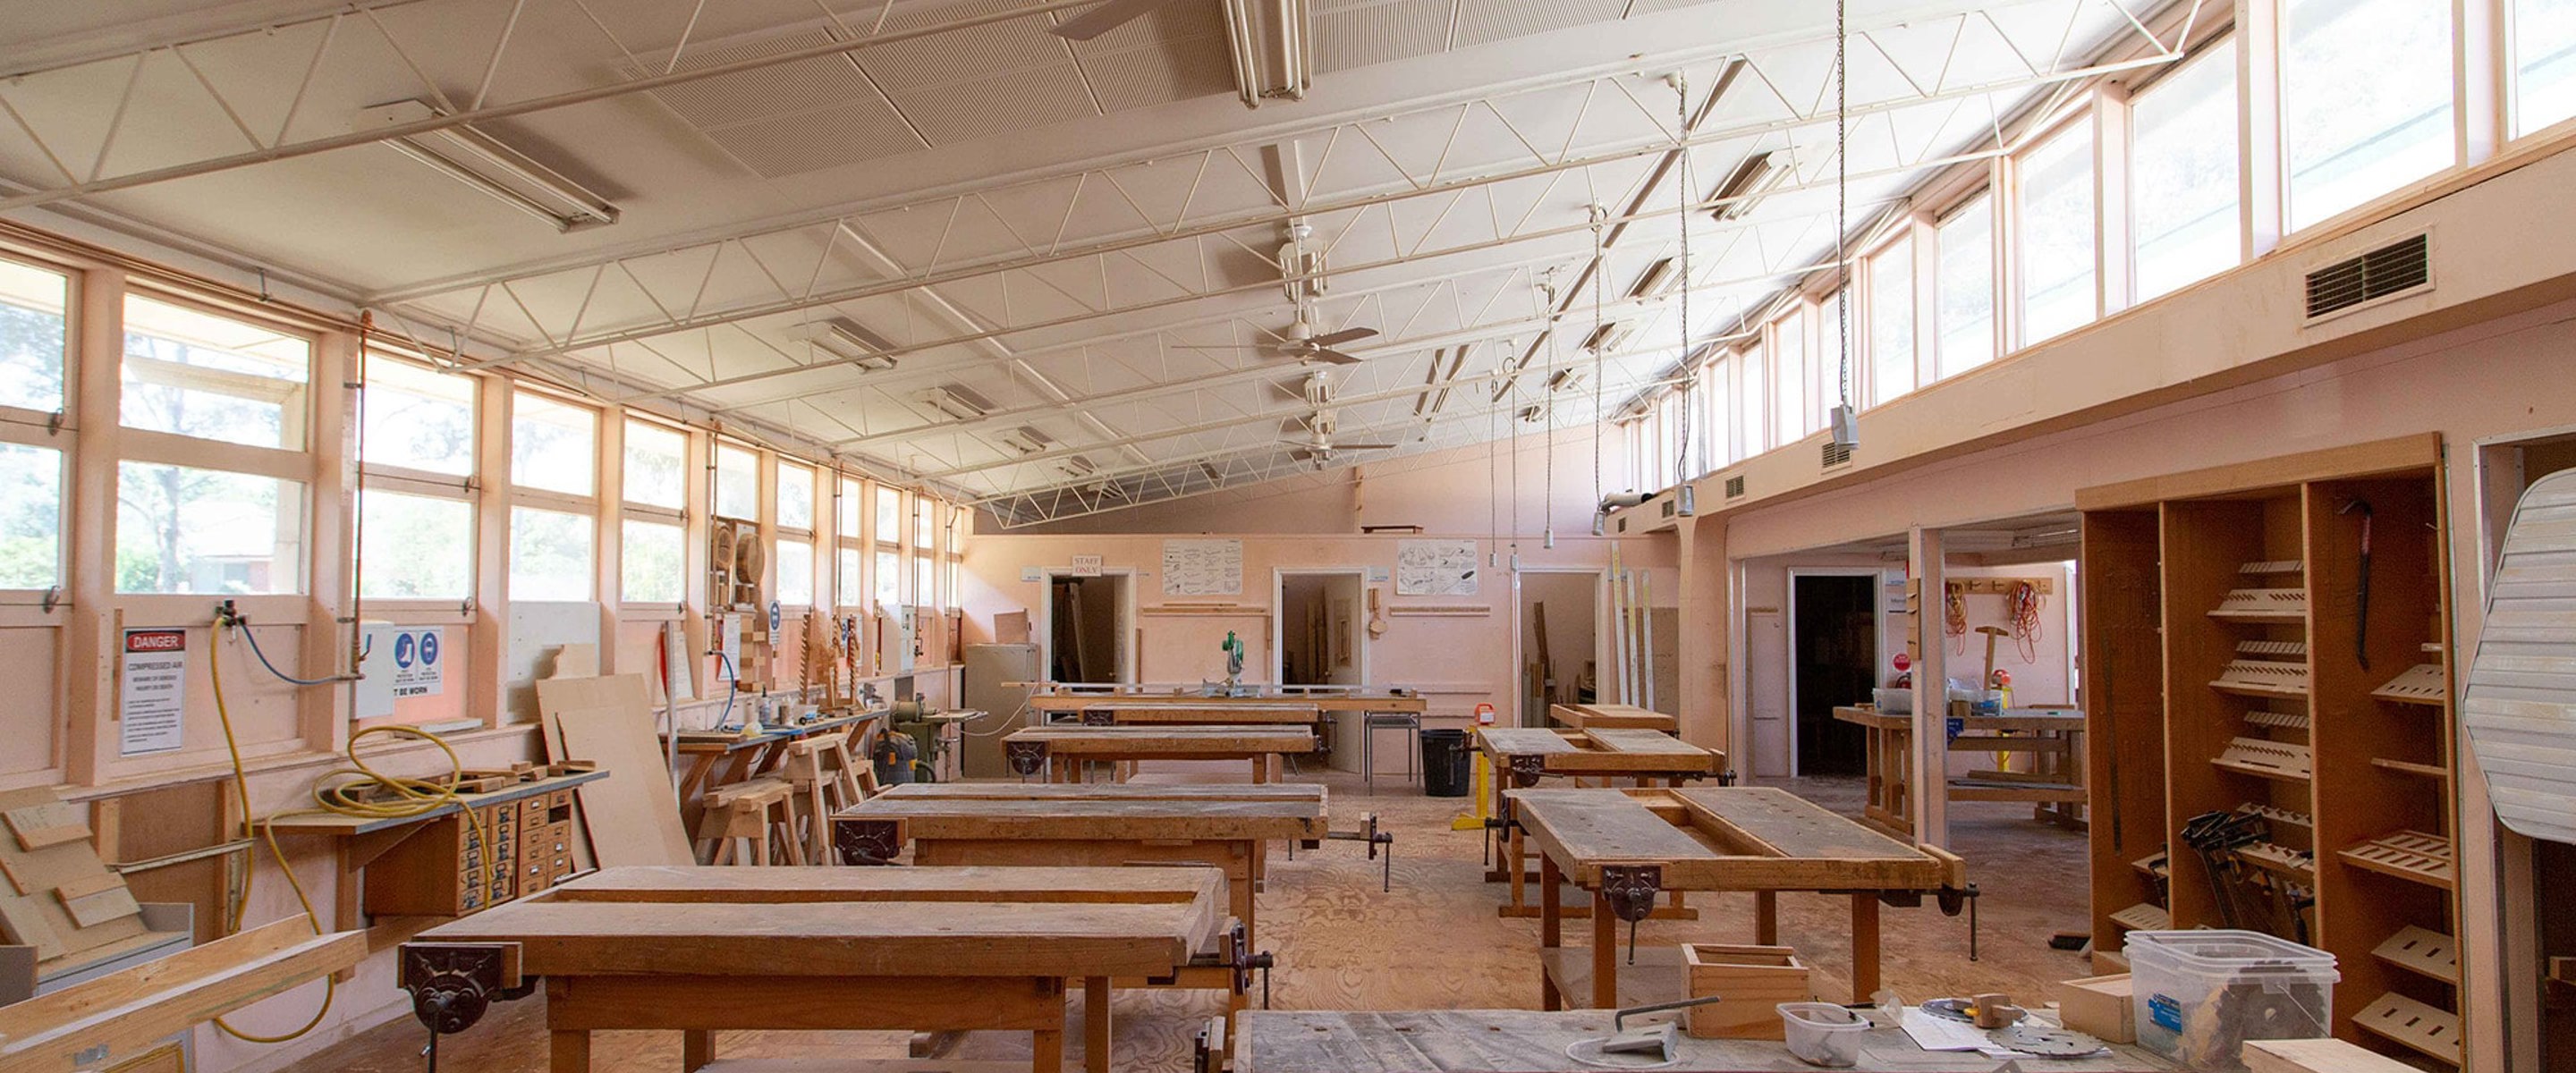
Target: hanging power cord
<point>1842,205</point>
<point>1600,512</point>
<point>2021,614</point>
<point>367,793</point>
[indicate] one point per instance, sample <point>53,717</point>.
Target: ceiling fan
<point>1105,17</point>
<point>1301,342</point>
<point>1318,446</point>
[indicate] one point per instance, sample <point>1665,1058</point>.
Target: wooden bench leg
<point>1551,930</point>
<point>1095,1024</point>
<point>1864,946</point>
<point>570,1052</point>
<point>697,1048</point>
<point>1766,918</point>
<point>1046,1051</point>
<point>1605,954</point>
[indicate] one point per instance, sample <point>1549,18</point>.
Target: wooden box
<point>1753,981</point>
<point>2100,1006</point>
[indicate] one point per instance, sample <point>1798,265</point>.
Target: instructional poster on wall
<point>1435,568</point>
<point>1202,567</point>
<point>152,692</point>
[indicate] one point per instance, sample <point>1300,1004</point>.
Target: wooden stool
<point>819,770</point>
<point>749,810</point>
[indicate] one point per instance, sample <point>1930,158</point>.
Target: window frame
<point>55,430</point>
<point>430,484</point>
<point>547,499</point>
<point>630,510</point>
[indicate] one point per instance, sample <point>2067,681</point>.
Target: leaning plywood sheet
<point>2521,696</point>
<point>58,896</point>
<point>618,692</point>
<point>632,815</point>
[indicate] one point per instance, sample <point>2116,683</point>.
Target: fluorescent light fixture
<point>1026,440</point>
<point>1267,42</point>
<point>1606,338</point>
<point>957,401</point>
<point>1652,280</point>
<point>481,161</point>
<point>857,345</point>
<point>1744,187</point>
<point>1565,380</point>
<point>1076,466</point>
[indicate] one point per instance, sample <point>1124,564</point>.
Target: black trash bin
<point>1448,769</point>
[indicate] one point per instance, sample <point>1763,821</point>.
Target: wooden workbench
<point>701,950</point>
<point>1197,712</point>
<point>1521,756</point>
<point>1524,1041</point>
<point>2053,736</point>
<point>1758,839</point>
<point>1612,717</point>
<point>1061,750</point>
<point>1059,698</point>
<point>357,841</point>
<point>1090,824</point>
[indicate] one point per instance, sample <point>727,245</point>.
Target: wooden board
<point>1725,838</point>
<point>1201,713</point>
<point>1528,1041</point>
<point>1522,741</point>
<point>858,922</point>
<point>1165,812</point>
<point>130,1009</point>
<point>60,898</point>
<point>1612,716</point>
<point>1167,741</point>
<point>633,816</point>
<point>1648,750</point>
<point>2316,1056</point>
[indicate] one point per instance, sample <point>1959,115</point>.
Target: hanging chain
<point>1842,199</point>
<point>1681,128</point>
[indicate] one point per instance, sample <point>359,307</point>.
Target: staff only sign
<point>152,692</point>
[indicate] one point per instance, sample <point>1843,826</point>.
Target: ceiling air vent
<point>1837,454</point>
<point>1668,508</point>
<point>2394,269</point>
<point>1735,487</point>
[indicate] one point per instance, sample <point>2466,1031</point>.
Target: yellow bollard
<point>1483,792</point>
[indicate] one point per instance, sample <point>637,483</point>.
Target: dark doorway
<point>1084,633</point>
<point>1833,648</point>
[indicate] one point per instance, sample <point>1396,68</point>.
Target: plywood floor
<point>1435,942</point>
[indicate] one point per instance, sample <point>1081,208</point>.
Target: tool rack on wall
<point>2275,721</point>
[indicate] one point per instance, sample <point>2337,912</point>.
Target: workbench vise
<point>1375,837</point>
<point>453,984</point>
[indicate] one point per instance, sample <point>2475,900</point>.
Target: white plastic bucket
<point>2199,995</point>
<point>1823,1034</point>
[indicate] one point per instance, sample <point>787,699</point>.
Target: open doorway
<point>1833,644</point>
<point>1558,638</point>
<point>1087,628</point>
<point>1322,629</point>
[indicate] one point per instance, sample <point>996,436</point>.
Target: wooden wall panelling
<point>2124,706</point>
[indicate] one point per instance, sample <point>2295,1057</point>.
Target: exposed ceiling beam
<point>486,113</point>
<point>859,292</point>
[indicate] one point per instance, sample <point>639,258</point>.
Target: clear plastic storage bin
<point>2200,995</point>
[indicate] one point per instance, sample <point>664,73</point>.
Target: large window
<point>2182,174</point>
<point>1964,303</point>
<point>417,418</point>
<point>1790,377</point>
<point>415,547</point>
<point>925,585</point>
<point>185,530</point>
<point>657,460</point>
<point>849,553</point>
<point>553,446</point>
<point>737,482</point>
<point>795,496</point>
<point>1751,400</point>
<point>795,572</point>
<point>1891,321</point>
<point>2057,229</point>
<point>2365,99</point>
<point>31,517</point>
<point>889,515</point>
<point>198,374</point>
<point>652,561</point>
<point>889,579</point>
<point>550,555</point>
<point>2544,63</point>
<point>32,345</point>
<point>795,523</point>
<point>652,554</point>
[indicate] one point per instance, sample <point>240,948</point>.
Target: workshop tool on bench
<point>452,984</point>
<point>1651,1044</point>
<point>1370,834</point>
<point>2361,594</point>
<point>2216,836</point>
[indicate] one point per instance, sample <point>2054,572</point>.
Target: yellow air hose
<point>408,797</point>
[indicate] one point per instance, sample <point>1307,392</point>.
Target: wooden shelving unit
<point>2230,668</point>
